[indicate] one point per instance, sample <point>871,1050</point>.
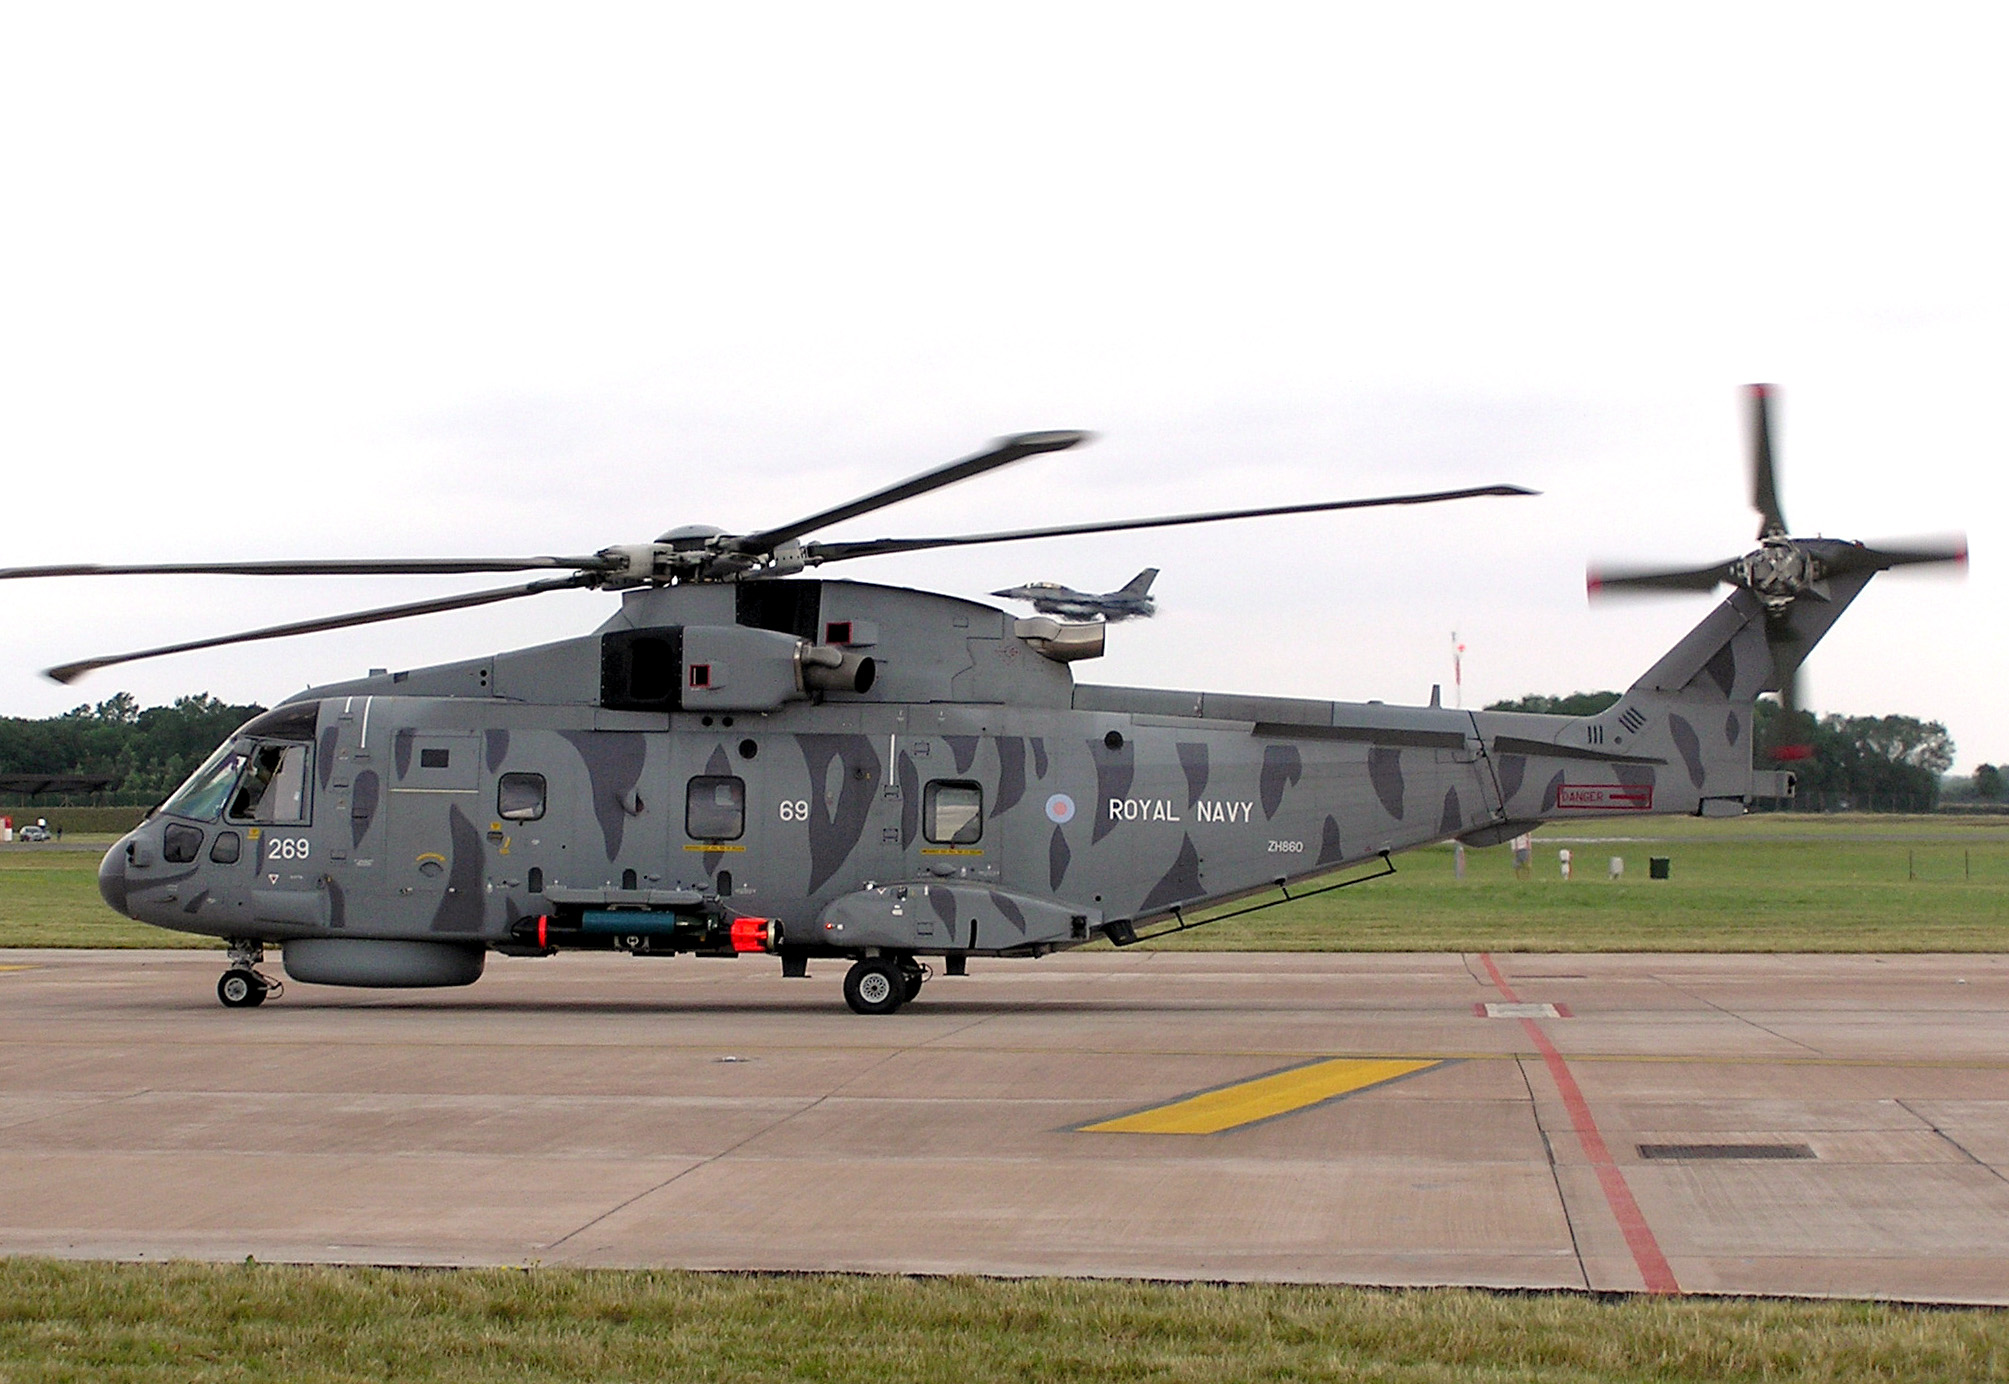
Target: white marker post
<point>1617,866</point>
<point>1563,859</point>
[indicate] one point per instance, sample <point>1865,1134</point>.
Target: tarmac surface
<point>1818,1125</point>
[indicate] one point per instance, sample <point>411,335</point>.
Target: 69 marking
<point>795,809</point>
<point>288,848</point>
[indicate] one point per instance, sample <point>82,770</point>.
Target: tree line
<point>1851,763</point>
<point>146,752</point>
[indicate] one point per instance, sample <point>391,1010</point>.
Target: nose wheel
<point>242,987</point>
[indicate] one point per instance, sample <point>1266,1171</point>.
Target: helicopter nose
<point>112,876</point>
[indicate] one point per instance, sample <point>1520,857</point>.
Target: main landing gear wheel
<point>242,989</point>
<point>874,986</point>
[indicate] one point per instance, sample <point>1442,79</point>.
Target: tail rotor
<point>1780,572</point>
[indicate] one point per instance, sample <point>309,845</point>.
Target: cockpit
<point>261,777</point>
<point>246,780</point>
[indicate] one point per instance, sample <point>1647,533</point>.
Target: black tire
<point>241,989</point>
<point>874,986</point>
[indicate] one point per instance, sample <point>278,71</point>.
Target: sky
<point>447,280</point>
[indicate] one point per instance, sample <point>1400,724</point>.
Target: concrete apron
<point>1824,1125</point>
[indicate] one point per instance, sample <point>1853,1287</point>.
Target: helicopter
<point>744,760</point>
<point>1051,598</point>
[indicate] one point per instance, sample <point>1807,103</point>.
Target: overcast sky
<point>438,280</point>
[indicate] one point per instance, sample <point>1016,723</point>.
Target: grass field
<point>49,898</point>
<point>64,1321</point>
<point>1762,883</point>
<point>1768,883</point>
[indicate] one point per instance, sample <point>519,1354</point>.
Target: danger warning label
<point>1606,797</point>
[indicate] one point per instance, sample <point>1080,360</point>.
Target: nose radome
<point>112,877</point>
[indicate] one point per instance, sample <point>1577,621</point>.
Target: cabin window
<point>434,759</point>
<point>227,848</point>
<point>179,843</point>
<point>273,789</point>
<point>715,808</point>
<point>520,797</point>
<point>953,812</point>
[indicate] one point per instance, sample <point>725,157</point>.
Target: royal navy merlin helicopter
<point>1133,598</point>
<point>744,760</point>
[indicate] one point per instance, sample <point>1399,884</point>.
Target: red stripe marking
<point>1654,1269</point>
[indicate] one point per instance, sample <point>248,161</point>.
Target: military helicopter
<point>1051,598</point>
<point>745,760</point>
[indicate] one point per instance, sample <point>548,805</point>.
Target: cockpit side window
<point>203,795</point>
<point>273,789</point>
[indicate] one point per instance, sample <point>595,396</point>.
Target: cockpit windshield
<point>202,796</point>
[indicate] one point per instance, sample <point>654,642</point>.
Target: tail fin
<point>1680,739</point>
<point>1740,649</point>
<point>1140,583</point>
<point>1696,706</point>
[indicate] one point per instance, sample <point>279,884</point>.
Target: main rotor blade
<point>1602,583</point>
<point>313,567</point>
<point>1764,479</point>
<point>1003,452</point>
<point>70,672</point>
<point>839,552</point>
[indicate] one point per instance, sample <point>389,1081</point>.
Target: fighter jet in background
<point>1051,598</point>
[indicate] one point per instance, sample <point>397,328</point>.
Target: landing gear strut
<point>241,986</point>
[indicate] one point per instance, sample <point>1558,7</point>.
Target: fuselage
<point>664,777</point>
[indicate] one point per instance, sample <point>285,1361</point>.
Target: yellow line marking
<point>16,968</point>
<point>1266,1097</point>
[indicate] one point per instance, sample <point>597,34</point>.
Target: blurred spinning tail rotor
<point>1779,572</point>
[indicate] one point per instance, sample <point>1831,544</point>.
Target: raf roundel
<point>1060,809</point>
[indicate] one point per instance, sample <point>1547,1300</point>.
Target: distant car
<point>34,834</point>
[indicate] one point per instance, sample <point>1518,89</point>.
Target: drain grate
<point>1725,1151</point>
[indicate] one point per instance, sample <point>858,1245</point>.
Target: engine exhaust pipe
<point>825,669</point>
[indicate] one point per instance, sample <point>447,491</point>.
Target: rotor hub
<point>1778,571</point>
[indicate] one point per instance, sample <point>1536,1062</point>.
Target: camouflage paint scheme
<point>1100,805</point>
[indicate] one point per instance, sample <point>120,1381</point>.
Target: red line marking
<point>1654,1269</point>
<point>1499,981</point>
